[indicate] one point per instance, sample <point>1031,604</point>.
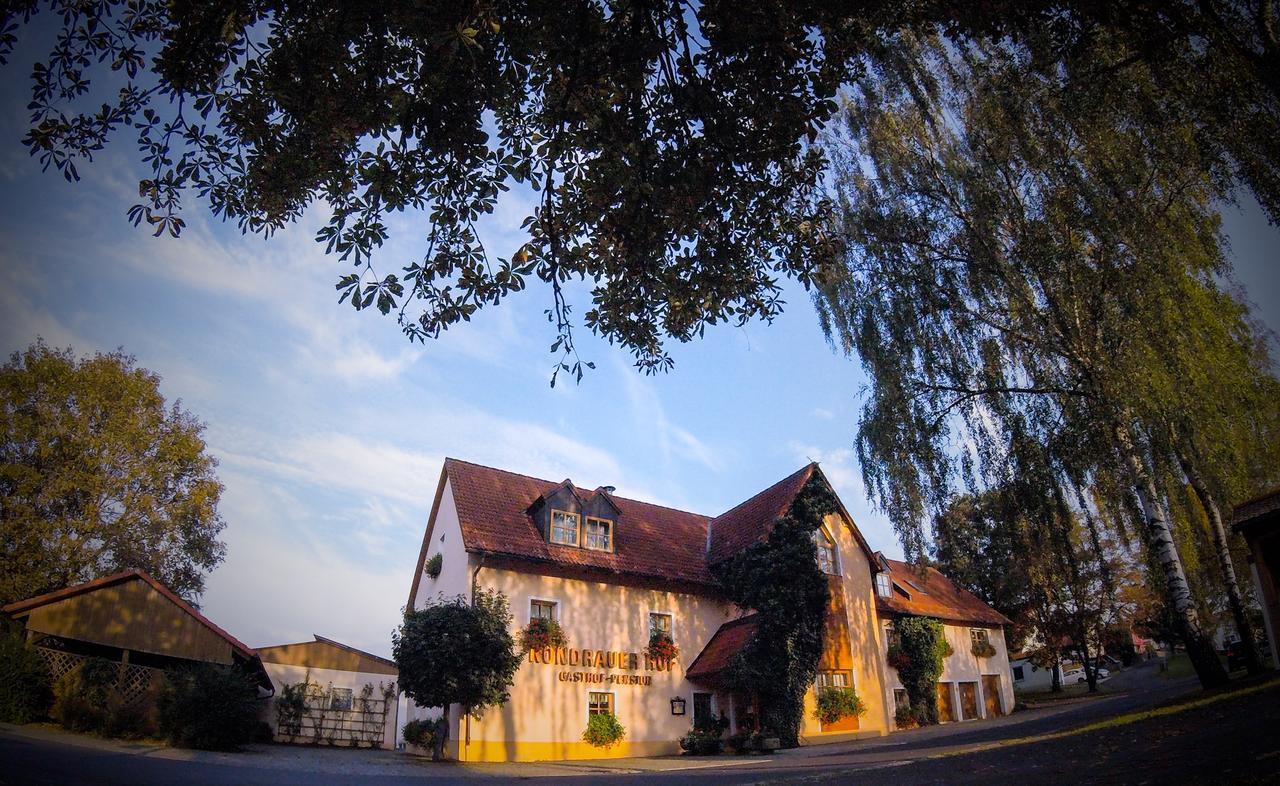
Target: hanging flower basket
<point>983,649</point>
<point>540,634</point>
<point>661,647</point>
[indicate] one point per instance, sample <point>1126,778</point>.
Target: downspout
<point>466,738</point>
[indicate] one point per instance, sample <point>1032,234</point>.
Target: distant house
<point>1258,520</point>
<point>972,685</point>
<point>351,694</point>
<point>134,620</point>
<point>1029,677</point>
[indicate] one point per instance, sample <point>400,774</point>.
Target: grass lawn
<point>1072,691</point>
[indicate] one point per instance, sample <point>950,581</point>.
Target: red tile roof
<point>22,606</point>
<point>752,521</point>
<point>727,641</point>
<point>934,595</point>
<point>649,540</point>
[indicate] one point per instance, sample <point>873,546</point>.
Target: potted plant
<point>661,647</point>
<point>542,633</point>
<point>983,649</point>
<point>835,704</point>
<point>603,730</point>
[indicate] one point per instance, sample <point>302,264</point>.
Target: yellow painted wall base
<point>840,736</point>
<point>510,750</point>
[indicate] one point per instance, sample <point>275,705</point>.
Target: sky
<point>330,428</point>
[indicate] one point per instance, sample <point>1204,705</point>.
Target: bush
<point>82,696</point>
<point>209,707</point>
<point>129,721</point>
<point>291,708</point>
<point>737,742</point>
<point>603,730</point>
<point>837,703</point>
<point>420,733</point>
<point>25,692</point>
<point>702,742</point>
<point>905,718</point>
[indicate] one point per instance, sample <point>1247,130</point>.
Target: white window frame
<point>821,532</point>
<point>648,628</point>
<point>551,531</point>
<point>528,607</point>
<point>582,533</point>
<point>586,703</point>
<point>884,584</point>
<point>976,634</point>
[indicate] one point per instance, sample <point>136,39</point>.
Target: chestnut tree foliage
<point>99,474</point>
<point>668,142</point>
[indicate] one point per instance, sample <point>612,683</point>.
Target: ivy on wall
<point>780,579</point>
<point>917,657</point>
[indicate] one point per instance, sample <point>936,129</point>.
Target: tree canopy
<point>457,652</point>
<point>99,474</point>
<point>669,143</point>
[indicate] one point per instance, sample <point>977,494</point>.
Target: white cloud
<point>822,414</point>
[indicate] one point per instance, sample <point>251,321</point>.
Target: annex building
<point>612,570</point>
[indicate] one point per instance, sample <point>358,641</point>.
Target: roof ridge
<point>559,482</point>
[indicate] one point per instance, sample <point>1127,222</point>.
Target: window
<point>340,699</point>
<point>884,585</point>
<point>564,528</point>
<point>599,534</point>
<point>891,639</point>
<point>826,551</point>
<point>542,610</point>
<point>599,704</point>
<point>660,623</point>
<point>1018,674</point>
<point>979,636</point>
<point>900,699</point>
<point>832,679</point>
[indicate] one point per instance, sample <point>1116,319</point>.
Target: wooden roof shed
<point>130,616</point>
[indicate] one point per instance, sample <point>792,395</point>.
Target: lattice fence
<point>361,720</point>
<point>132,684</point>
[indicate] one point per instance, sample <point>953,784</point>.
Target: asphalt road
<point>1236,740</point>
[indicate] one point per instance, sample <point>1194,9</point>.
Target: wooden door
<point>946,705</point>
<point>968,700</point>
<point>991,694</point>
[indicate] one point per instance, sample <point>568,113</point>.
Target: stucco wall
<point>963,666</point>
<point>446,540</point>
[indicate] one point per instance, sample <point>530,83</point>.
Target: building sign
<point>599,659</point>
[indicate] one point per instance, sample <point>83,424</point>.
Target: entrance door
<point>701,709</point>
<point>991,694</point>
<point>968,700</point>
<point>946,705</point>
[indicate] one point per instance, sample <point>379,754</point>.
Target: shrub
<point>291,708</point>
<point>131,721</point>
<point>737,742</point>
<point>420,733</point>
<point>702,741</point>
<point>541,633</point>
<point>81,696</point>
<point>603,730</point>
<point>983,649</point>
<point>25,691</point>
<point>898,658</point>
<point>661,647</point>
<point>434,565</point>
<point>209,707</point>
<point>837,703</point>
<point>922,641</point>
<point>905,718</point>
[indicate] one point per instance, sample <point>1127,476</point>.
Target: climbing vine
<point>917,657</point>
<point>780,579</point>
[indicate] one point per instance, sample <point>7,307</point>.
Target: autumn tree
<point>99,474</point>
<point>667,146</point>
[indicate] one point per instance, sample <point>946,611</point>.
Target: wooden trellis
<point>132,683</point>
<point>363,724</point>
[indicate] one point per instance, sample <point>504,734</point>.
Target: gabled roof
<point>751,521</point>
<point>303,654</point>
<point>928,593</point>
<point>649,540</point>
<point>23,607</point>
<point>728,640</point>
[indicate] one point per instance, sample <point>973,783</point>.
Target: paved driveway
<point>1229,740</point>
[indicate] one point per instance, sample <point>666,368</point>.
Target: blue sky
<point>330,428</point>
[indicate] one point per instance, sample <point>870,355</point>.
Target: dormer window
<point>599,534</point>
<point>884,585</point>
<point>826,552</point>
<point>564,528</point>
